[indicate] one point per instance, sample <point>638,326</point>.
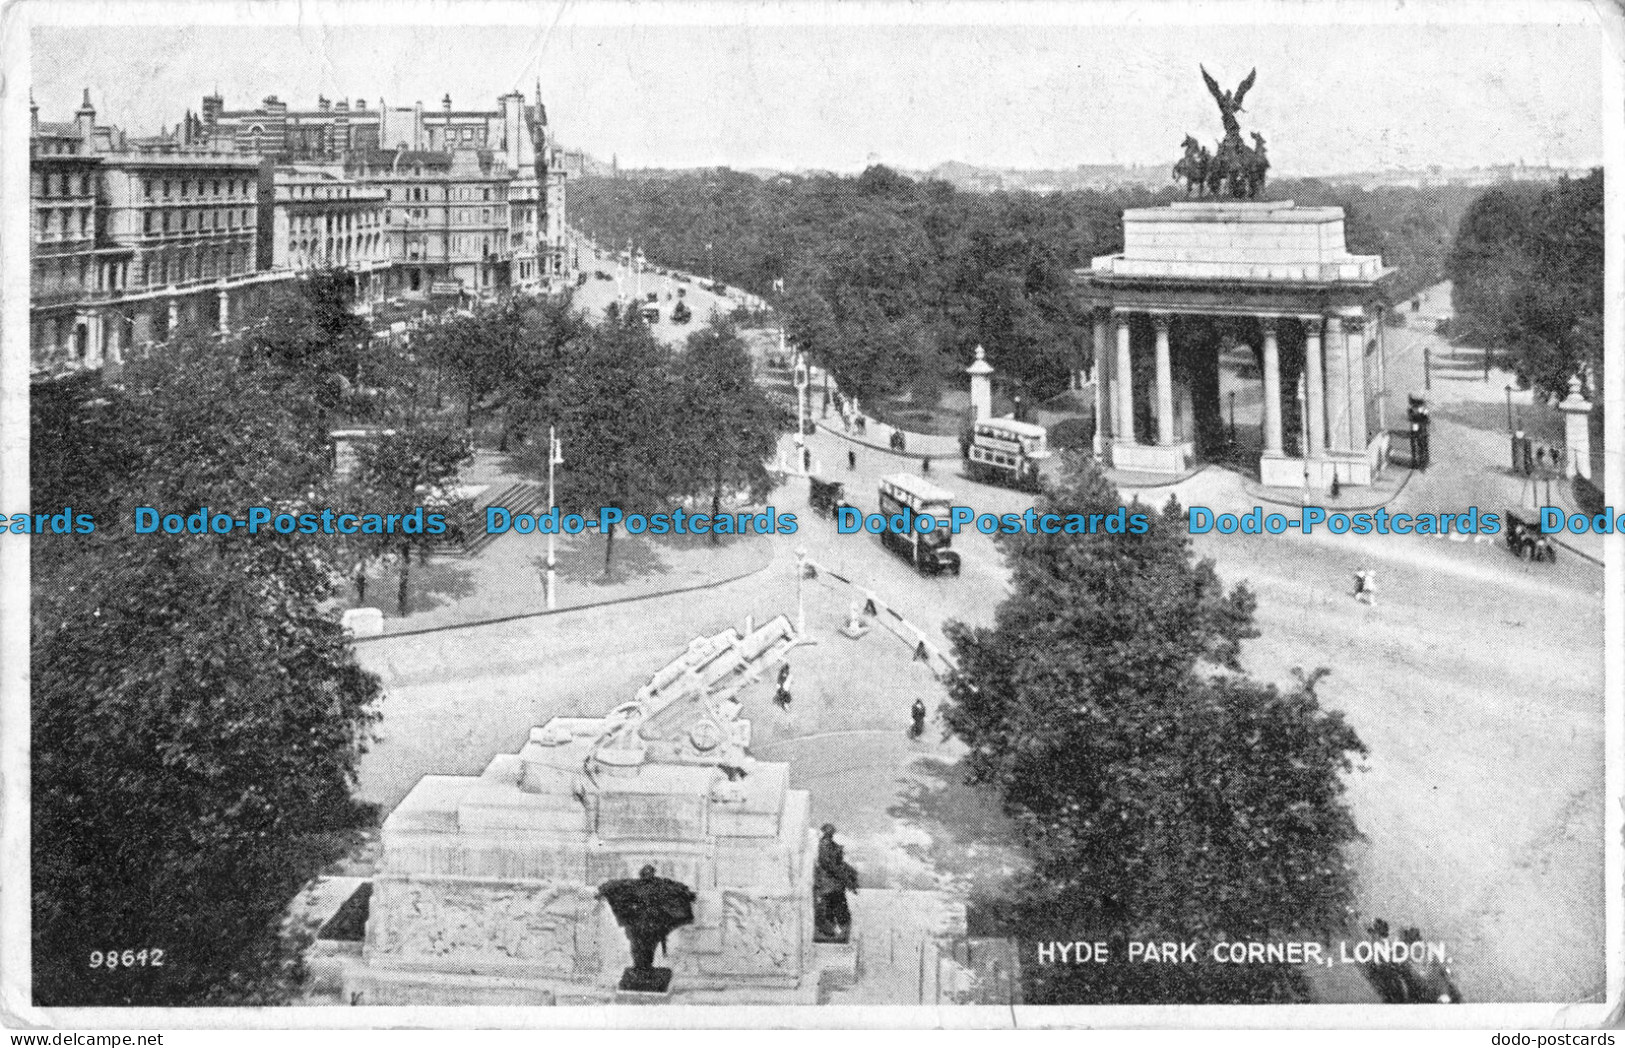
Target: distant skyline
<point>687,85</point>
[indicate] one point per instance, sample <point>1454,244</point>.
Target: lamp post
<point>1232,417</point>
<point>555,457</point>
<point>801,608</point>
<point>1427,367</point>
<point>1509,407</point>
<point>800,376</point>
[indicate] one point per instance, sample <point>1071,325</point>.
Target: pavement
<point>508,578</point>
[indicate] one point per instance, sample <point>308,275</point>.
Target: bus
<point>1004,451</point>
<point>929,553</point>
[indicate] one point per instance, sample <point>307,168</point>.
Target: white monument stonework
<point>487,887</point>
<point>1282,267</point>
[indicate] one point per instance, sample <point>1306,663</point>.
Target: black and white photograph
<point>697,515</point>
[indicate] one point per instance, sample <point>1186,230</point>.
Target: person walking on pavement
<point>925,464</point>
<point>851,459</point>
<point>917,713</point>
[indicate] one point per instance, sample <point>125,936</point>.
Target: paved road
<point>596,294</point>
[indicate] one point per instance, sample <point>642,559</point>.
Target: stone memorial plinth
<point>1282,277</point>
<point>487,888</point>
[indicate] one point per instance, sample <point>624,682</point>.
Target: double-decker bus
<point>1004,451</point>
<point>929,553</point>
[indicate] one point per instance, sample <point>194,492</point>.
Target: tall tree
<point>397,472</point>
<point>311,338</point>
<point>1161,795</point>
<point>197,712</point>
<point>1526,268</point>
<point>730,428</point>
<point>617,418</point>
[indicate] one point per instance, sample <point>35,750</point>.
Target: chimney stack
<point>85,120</point>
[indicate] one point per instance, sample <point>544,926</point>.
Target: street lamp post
<point>801,607</point>
<point>1509,407</point>
<point>1427,367</point>
<point>800,377</point>
<point>1232,417</point>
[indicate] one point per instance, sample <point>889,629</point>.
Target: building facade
<point>131,240</point>
<point>474,198</point>
<point>135,238</point>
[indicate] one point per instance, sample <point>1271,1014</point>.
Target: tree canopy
<point>197,712</point>
<point>1527,278</point>
<point>891,283</point>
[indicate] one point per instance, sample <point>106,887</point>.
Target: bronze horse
<point>1193,166</point>
<point>1237,169</point>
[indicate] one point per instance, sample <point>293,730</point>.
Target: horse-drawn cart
<point>1525,540</point>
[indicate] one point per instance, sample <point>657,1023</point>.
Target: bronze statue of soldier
<point>833,877</point>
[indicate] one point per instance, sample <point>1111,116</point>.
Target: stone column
<point>1125,383</point>
<point>1165,382</point>
<point>981,386</point>
<point>1315,382</point>
<point>1102,373</point>
<point>1382,376</point>
<point>225,312</point>
<point>1576,432</point>
<point>174,315</point>
<point>1337,386</point>
<point>1272,389</point>
<point>1354,332</point>
<point>115,339</point>
<point>93,338</point>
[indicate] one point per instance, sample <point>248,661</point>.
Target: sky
<point>772,85</point>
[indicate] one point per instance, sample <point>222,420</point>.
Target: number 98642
<point>113,959</point>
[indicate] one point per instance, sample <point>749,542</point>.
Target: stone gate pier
<point>1270,275</point>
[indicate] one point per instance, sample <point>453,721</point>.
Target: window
<point>166,187</point>
<point>165,217</point>
<point>487,194</point>
<point>186,221</point>
<point>147,188</point>
<point>217,187</point>
<point>186,187</point>
<point>147,225</point>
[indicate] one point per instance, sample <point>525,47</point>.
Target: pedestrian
<point>781,697</point>
<point>925,464</point>
<point>806,459</point>
<point>851,459</point>
<point>918,715</point>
